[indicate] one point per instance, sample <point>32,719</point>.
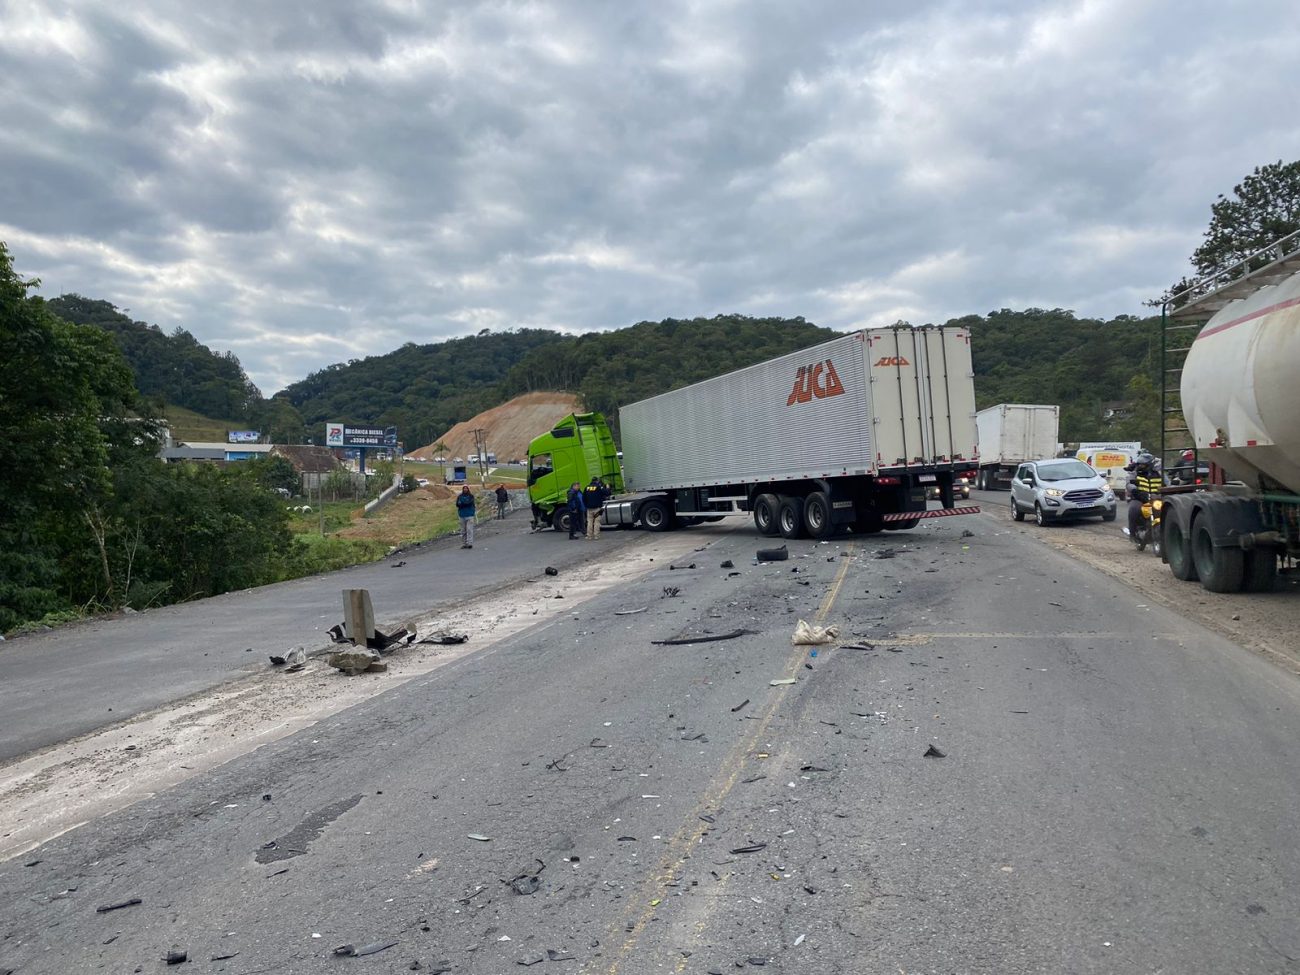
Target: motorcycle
<point>1148,532</point>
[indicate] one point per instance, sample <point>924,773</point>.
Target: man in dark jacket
<point>577,511</point>
<point>592,498</point>
<point>503,500</point>
<point>465,508</point>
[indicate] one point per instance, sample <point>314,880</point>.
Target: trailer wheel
<point>561,519</point>
<point>817,515</point>
<point>656,517</point>
<point>899,526</point>
<point>1220,569</point>
<point>790,517</point>
<point>766,510</point>
<point>1177,550</point>
<point>1260,570</point>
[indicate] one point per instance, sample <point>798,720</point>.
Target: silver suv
<point>1055,489</point>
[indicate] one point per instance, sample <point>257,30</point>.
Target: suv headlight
<point>1053,492</point>
<point>1107,493</point>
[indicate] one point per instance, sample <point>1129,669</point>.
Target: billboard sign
<point>242,436</point>
<point>342,435</point>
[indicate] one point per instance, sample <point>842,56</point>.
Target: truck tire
<point>817,515</point>
<point>1221,569</point>
<point>868,523</point>
<point>1260,570</point>
<point>766,509</point>
<point>790,517</point>
<point>656,517</point>
<point>901,526</point>
<point>1178,549</point>
<point>560,519</point>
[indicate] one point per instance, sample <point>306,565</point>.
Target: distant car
<point>422,481</point>
<point>1056,490</point>
<point>960,489</point>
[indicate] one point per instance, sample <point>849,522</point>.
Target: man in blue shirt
<point>577,511</point>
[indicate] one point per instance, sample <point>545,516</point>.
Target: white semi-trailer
<point>850,433</point>
<point>1009,435</point>
<point>1240,394</point>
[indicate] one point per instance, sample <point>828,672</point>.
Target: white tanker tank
<point>1241,387</point>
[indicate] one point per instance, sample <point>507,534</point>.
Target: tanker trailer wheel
<point>817,515</point>
<point>790,517</point>
<point>1221,569</point>
<point>561,519</point>
<point>1178,548</point>
<point>656,517</point>
<point>1260,570</point>
<point>766,509</point>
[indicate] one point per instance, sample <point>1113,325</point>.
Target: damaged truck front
<point>848,434</point>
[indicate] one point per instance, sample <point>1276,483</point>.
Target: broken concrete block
<point>355,660</point>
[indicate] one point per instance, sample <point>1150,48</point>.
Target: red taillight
<point>1199,481</point>
<point>888,480</point>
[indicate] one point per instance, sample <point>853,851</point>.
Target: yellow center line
<point>644,903</point>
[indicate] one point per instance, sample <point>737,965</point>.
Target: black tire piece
<point>817,515</point>
<point>790,517</point>
<point>766,508</point>
<point>1260,570</point>
<point>1178,550</point>
<point>772,554</point>
<point>1221,569</point>
<point>656,517</point>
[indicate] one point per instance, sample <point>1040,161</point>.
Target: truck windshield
<point>538,467</point>
<point>1064,471</point>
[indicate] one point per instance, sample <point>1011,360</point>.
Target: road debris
<point>740,705</point>
<point>805,634</point>
<point>553,955</point>
<point>295,660</point>
<point>859,646</point>
<point>749,848</point>
<point>176,956</point>
<point>773,554</point>
<point>933,752</point>
<point>712,638</point>
<point>799,940</point>
<point>336,633</point>
<point>131,902</point>
<point>479,837</point>
<point>352,951</point>
<point>967,533</point>
<point>353,661</point>
<point>783,680</point>
<point>630,612</point>
<point>886,553</point>
<point>531,960</point>
<point>727,565</point>
<point>398,565</point>
<point>691,566</point>
<point>671,591</point>
<point>444,638</point>
<point>552,570</point>
<point>223,957</point>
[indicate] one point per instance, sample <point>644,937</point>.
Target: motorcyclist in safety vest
<point>1145,485</point>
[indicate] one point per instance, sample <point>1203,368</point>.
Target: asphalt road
<point>69,681</point>
<point>1118,793</point>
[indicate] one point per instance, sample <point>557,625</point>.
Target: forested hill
<point>174,368</point>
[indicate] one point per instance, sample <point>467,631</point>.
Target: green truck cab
<point>579,448</point>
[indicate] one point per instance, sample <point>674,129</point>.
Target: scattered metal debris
<point>352,951</point>
<point>445,638</point>
<point>859,646</point>
<point>699,639</point>
<point>630,612</point>
<point>749,848</point>
<point>295,660</point>
<point>130,902</point>
<point>224,957</point>
<point>783,680</point>
<point>740,705</point>
<point>933,752</point>
<point>773,554</point>
<point>531,960</point>
<point>671,591</point>
<point>479,837</point>
<point>554,955</point>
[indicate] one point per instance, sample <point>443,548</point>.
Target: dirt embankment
<point>508,428</point>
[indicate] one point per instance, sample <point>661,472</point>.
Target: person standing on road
<point>577,511</point>
<point>465,508</point>
<point>503,500</point>
<point>593,497</point>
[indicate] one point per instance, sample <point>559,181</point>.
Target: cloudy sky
<point>309,181</point>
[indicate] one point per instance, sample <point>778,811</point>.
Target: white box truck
<point>1009,435</point>
<point>850,433</point>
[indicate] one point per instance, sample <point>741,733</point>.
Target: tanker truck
<point>1240,395</point>
<point>852,433</point>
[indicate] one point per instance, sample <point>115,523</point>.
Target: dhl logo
<point>892,360</point>
<point>820,381</point>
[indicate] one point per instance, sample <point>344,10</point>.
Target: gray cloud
<point>309,182</point>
